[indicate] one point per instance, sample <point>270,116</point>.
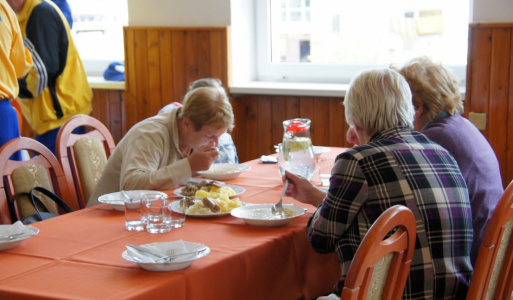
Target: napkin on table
<point>16,228</point>
<point>166,248</point>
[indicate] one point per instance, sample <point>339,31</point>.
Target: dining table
<point>78,255</point>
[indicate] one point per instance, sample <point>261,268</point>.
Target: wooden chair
<point>493,274</point>
<point>84,156</point>
<point>380,267</point>
<point>41,169</point>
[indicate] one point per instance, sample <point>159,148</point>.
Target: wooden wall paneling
<point>337,126</point>
<point>498,104</point>
<point>219,61</point>
<point>278,112</point>
<point>320,122</point>
<point>116,113</point>
<point>154,101</point>
<point>479,75</point>
<point>239,131</point>
<point>252,128</point>
<point>142,82</point>
<point>130,78</point>
<point>509,122</point>
<point>202,51</point>
<point>191,57</point>
<point>265,127</point>
<point>166,70</point>
<point>180,83</point>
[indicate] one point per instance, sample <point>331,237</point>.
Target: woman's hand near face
<point>303,190</point>
<point>202,158</point>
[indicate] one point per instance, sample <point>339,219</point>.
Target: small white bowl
<point>224,171</point>
<point>261,215</point>
<point>9,244</point>
<point>319,150</point>
<point>178,264</point>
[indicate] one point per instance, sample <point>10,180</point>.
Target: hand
<point>351,137</point>
<point>303,190</point>
<point>202,158</point>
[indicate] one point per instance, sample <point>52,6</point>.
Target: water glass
<point>177,206</point>
<point>134,219</point>
<point>158,214</point>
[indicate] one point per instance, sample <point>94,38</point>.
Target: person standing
<point>56,88</point>
<point>393,165</point>
<point>15,62</point>
<point>438,108</point>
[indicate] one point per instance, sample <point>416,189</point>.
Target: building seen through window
<point>98,31</point>
<point>367,32</point>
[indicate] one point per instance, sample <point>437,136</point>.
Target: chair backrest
<point>83,156</point>
<point>380,267</point>
<point>41,169</point>
<point>493,278</point>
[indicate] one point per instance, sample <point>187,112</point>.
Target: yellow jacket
<point>56,88</point>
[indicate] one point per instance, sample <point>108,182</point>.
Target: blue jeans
<point>49,138</point>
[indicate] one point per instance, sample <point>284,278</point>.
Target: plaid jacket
<point>401,166</point>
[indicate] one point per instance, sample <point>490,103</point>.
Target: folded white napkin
<point>165,249</point>
<point>18,229</point>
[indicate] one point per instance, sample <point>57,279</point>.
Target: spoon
<point>278,208</point>
<point>10,237</point>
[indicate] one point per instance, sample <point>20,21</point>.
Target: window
<point>98,32</point>
<point>332,40</point>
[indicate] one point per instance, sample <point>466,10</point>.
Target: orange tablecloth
<point>78,255</point>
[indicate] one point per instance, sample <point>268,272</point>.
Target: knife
<point>163,257</point>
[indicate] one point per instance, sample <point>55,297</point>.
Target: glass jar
<point>296,152</point>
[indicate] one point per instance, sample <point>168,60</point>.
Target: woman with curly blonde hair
<point>438,107</point>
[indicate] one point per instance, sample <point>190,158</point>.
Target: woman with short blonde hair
<point>438,106</point>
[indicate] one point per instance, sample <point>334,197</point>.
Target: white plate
<point>174,265</point>
<point>318,150</point>
<point>174,207</point>
<point>261,215</point>
<point>211,173</point>
<point>237,189</point>
<point>116,199</point>
<point>6,245</point>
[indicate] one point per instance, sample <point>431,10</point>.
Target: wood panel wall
<point>490,87</point>
<point>161,62</point>
<point>259,122</point>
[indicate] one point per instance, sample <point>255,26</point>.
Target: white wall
<point>492,11</point>
<point>185,13</point>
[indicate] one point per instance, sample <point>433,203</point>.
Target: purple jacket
<point>478,164</point>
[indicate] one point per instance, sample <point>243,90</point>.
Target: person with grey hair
<point>393,165</point>
<point>164,151</point>
<point>438,107</point>
<point>226,147</point>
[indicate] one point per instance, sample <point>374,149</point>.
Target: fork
<point>278,208</point>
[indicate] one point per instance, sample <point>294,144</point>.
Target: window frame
<point>268,71</point>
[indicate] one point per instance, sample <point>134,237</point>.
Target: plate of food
<point>183,254</point>
<point>12,237</point>
<point>117,201</point>
<point>209,189</point>
<point>207,207</point>
<point>224,171</point>
<point>261,214</point>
